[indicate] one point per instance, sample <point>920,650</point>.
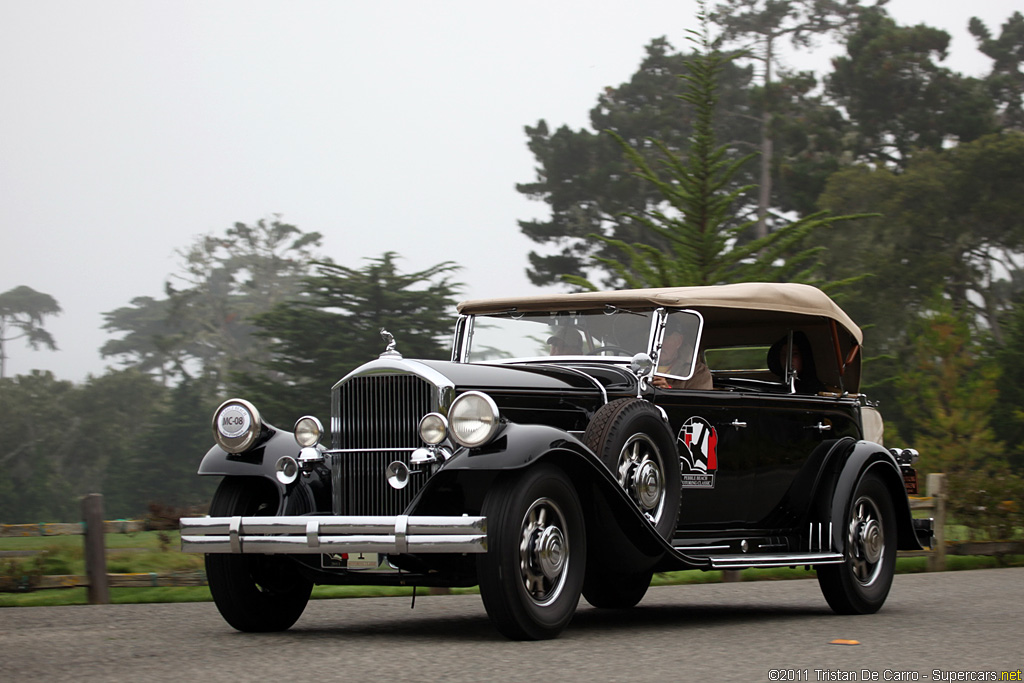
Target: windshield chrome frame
<point>464,328</point>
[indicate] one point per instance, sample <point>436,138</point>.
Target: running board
<point>773,560</point>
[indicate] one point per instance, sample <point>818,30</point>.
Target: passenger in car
<point>673,361</point>
<point>807,381</point>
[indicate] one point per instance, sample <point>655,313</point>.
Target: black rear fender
<point>863,457</point>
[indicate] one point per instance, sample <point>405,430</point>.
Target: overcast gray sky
<point>129,127</point>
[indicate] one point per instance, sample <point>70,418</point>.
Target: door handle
<point>738,424</point>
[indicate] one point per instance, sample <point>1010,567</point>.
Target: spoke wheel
<point>543,552</point>
<point>640,471</point>
<point>254,593</point>
<point>866,539</point>
<point>633,441</point>
<point>532,573</point>
<point>861,584</point>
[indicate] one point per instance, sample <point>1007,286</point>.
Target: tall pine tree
<point>694,236</point>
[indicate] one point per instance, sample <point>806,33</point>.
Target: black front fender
<point>518,446</point>
<point>617,531</point>
<point>305,494</point>
<point>256,462</point>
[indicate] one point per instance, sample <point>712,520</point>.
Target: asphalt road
<point>951,624</point>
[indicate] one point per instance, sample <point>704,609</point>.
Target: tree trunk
<point>767,146</point>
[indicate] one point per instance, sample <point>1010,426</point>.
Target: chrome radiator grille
<point>375,421</point>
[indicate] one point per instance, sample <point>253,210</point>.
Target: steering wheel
<point>601,349</point>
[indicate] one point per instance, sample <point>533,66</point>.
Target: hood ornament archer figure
<point>389,339</point>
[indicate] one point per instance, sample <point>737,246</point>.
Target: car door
<point>790,432</point>
<point>716,445</point>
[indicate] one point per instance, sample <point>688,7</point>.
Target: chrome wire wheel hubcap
<point>639,473</point>
<point>543,551</point>
<point>866,540</point>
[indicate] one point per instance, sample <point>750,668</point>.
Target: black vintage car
<point>573,445</point>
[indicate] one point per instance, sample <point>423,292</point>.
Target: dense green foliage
<point>694,237</point>
<point>947,392</point>
<point>585,178</point>
<point>22,311</point>
<point>62,440</point>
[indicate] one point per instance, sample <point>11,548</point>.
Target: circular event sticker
<point>234,421</point>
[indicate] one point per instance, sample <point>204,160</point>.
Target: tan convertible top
<point>762,296</point>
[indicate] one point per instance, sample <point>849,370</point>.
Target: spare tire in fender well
<point>633,440</point>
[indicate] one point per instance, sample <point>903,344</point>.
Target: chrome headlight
<point>433,428</point>
<point>473,418</point>
<point>308,431</point>
<point>236,425</point>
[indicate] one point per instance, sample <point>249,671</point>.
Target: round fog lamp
<point>433,428</point>
<point>308,431</point>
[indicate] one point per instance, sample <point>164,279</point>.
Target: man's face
<point>798,362</point>
<point>670,346</point>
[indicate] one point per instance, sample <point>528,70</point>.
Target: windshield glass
<point>532,335</point>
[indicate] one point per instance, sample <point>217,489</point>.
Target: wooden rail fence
<point>96,579</point>
<point>934,501</point>
<point>93,527</point>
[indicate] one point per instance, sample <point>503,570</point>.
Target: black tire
<point>532,573</point>
<point>616,591</point>
<point>634,442</point>
<point>861,583</point>
<point>254,593</point>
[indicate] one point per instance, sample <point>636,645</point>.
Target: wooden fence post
<point>95,550</point>
<point>936,489</point>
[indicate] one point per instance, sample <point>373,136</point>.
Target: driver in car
<point>674,361</point>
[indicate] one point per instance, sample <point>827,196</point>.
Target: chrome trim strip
<point>774,560</point>
<point>461,338</point>
<point>600,387</point>
<point>315,534</point>
<point>332,451</point>
<point>384,366</point>
<point>701,547</point>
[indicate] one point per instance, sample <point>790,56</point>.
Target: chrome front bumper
<point>318,534</point>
